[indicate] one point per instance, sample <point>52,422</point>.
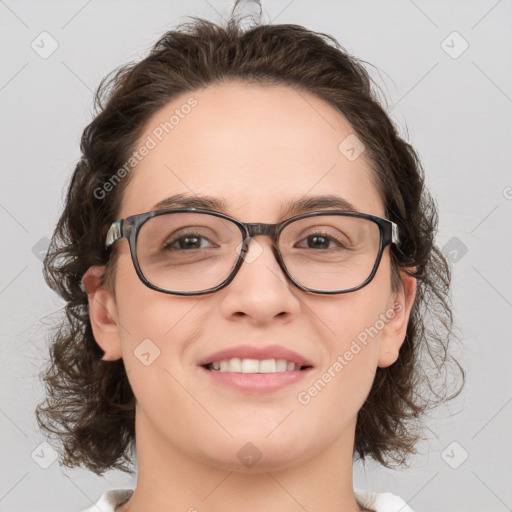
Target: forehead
<point>255,147</point>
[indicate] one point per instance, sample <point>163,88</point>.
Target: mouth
<point>256,369</point>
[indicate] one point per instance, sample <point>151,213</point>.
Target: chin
<point>260,455</point>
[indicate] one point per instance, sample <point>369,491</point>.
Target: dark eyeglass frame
<point>129,228</point>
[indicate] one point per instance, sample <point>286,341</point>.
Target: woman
<point>247,257</point>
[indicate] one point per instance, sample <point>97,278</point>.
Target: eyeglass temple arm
<point>395,237</point>
<point>114,233</point>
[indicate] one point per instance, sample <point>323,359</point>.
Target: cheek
<point>353,322</point>
<point>155,329</point>
<point>146,313</point>
<point>350,327</point>
<point>350,342</point>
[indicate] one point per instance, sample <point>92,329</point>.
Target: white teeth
<point>248,366</point>
<point>282,365</point>
<point>235,365</point>
<point>268,366</point>
<point>254,365</point>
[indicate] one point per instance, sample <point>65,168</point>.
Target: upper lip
<point>256,352</point>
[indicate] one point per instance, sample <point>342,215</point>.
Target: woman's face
<point>257,149</point>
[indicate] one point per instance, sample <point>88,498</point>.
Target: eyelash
<point>324,235</point>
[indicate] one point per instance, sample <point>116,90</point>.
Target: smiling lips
<point>256,369</point>
<point>255,359</point>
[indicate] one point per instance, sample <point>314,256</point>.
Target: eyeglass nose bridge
<point>259,229</point>
<point>255,229</point>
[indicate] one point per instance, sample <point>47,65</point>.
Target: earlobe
<point>102,314</point>
<point>395,330</point>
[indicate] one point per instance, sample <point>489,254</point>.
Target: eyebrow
<point>290,208</point>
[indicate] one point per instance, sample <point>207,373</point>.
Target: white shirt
<point>376,501</point>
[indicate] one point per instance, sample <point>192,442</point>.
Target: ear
<point>102,314</point>
<point>397,315</point>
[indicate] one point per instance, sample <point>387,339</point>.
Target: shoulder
<point>110,500</point>
<point>381,501</point>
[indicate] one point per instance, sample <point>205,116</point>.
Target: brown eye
<point>188,242</point>
<point>319,241</point>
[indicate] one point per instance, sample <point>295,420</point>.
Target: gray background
<point>455,108</point>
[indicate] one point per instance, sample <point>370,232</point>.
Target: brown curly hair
<point>89,405</point>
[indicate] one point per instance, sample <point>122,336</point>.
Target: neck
<point>170,480</point>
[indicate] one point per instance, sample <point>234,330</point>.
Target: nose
<point>260,292</point>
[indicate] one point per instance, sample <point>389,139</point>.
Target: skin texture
<point>254,147</point>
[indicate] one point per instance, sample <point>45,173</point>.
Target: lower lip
<point>257,382</point>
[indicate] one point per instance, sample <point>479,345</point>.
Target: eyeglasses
<point>191,251</point>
